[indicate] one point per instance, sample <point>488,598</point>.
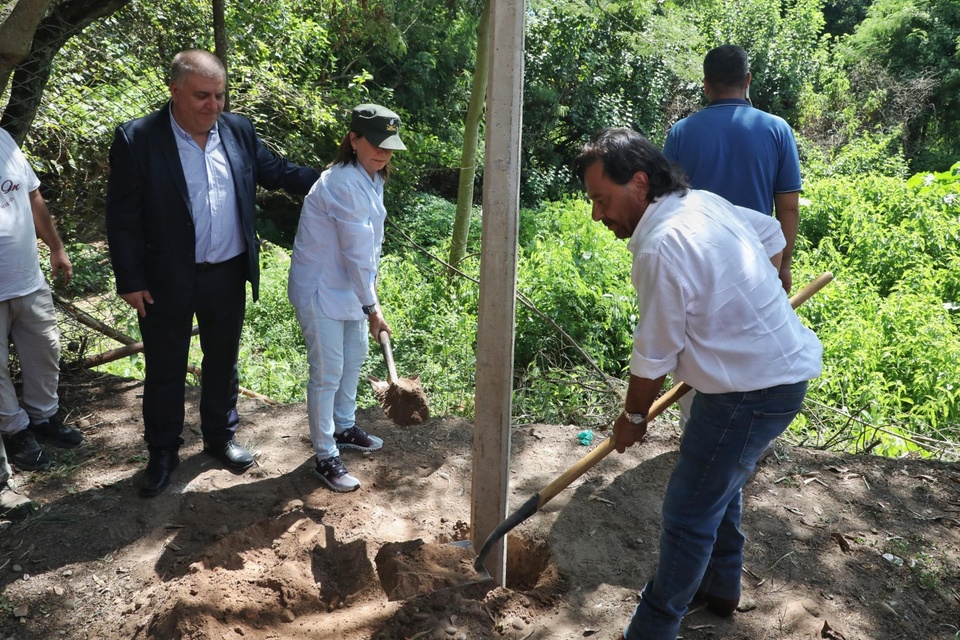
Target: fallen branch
<point>86,319</point>
<point>131,347</point>
<point>128,349</point>
<point>107,356</point>
<point>195,370</point>
<point>932,445</point>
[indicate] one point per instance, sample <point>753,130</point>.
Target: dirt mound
<point>869,547</point>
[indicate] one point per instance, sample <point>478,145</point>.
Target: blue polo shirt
<point>738,152</point>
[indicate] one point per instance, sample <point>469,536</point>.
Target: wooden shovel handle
<point>807,292</point>
<point>664,401</point>
<point>387,351</point>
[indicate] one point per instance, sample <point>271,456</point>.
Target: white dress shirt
<point>339,239</point>
<point>711,306</point>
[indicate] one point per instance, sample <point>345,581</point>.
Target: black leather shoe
<point>157,476</point>
<point>231,454</point>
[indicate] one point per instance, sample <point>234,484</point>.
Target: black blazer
<point>149,227</point>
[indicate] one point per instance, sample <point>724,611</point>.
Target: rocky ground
<point>841,547</point>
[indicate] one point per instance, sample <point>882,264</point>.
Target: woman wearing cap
<point>332,285</point>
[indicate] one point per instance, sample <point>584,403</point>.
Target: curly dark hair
<point>623,152</point>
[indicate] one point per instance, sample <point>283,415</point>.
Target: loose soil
<point>839,546</point>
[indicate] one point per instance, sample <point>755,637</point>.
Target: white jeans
<point>336,350</point>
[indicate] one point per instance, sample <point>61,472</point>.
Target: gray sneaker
<point>24,452</point>
<point>333,474</point>
<point>15,506</point>
<point>357,438</point>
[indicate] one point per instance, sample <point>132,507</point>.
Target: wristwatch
<point>635,418</point>
<point>368,309</point>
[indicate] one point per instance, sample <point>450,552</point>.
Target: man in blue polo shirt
<point>745,155</point>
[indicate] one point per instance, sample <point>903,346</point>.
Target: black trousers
<point>219,302</point>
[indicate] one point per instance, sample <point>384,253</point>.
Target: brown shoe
<point>717,606</point>
<point>15,506</point>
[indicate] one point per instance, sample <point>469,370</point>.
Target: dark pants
<point>219,301</point>
<point>701,544</point>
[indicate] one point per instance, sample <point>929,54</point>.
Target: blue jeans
<point>336,350</point>
<point>701,545</point>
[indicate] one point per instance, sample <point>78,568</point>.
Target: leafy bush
<point>272,352</point>
<point>577,273</point>
<point>435,329</point>
<point>428,220</point>
<point>888,323</point>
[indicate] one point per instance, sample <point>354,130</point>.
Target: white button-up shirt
<point>339,239</point>
<point>711,306</point>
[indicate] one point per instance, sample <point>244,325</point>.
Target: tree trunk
<point>220,42</point>
<point>30,78</point>
<point>16,34</point>
<point>471,136</point>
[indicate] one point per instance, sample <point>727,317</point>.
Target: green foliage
<point>586,69</point>
<point>783,39</point>
<point>915,41</point>
<point>888,323</point>
<point>874,154</point>
<point>564,393</point>
<point>272,353</point>
<point>578,274</point>
<point>434,327</point>
<point>843,16</point>
<point>428,221</point>
<point>882,226</point>
<point>92,273</point>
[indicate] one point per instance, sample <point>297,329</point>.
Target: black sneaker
<point>54,432</point>
<point>335,475</point>
<point>15,506</point>
<point>357,438</point>
<point>24,452</point>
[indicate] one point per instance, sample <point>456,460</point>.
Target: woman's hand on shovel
<point>377,324</point>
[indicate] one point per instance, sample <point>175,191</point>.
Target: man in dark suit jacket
<point>180,224</point>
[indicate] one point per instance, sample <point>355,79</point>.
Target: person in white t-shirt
<point>28,317</point>
<point>333,284</point>
<point>710,307</point>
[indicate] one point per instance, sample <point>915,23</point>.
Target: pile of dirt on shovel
<point>404,401</point>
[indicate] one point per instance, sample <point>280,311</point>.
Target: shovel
<point>402,399</point>
<point>538,500</point>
